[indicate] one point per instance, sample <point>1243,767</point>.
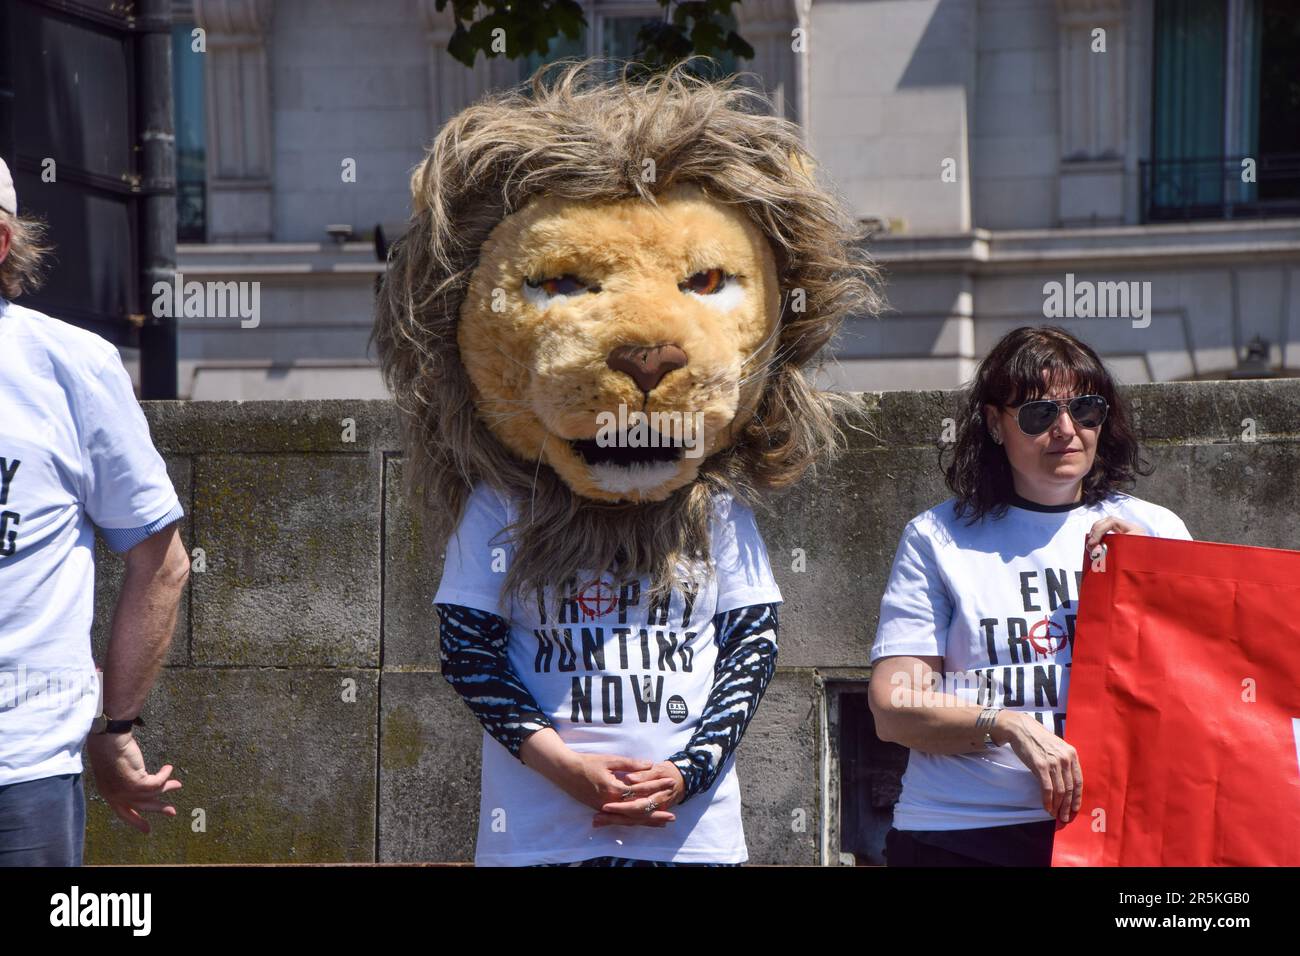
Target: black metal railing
<point>1214,188</point>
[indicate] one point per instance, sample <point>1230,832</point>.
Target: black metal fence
<point>1220,187</point>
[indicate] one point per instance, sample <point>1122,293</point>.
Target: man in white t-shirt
<point>74,449</point>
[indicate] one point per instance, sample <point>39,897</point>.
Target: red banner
<point>1184,706</point>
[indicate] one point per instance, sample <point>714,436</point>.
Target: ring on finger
<point>651,807</point>
<point>628,794</point>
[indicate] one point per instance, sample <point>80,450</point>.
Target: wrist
<point>109,745</point>
<point>693,769</point>
<point>545,752</point>
<point>104,725</point>
<point>684,765</point>
<point>1005,726</point>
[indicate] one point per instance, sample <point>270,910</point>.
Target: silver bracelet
<point>985,721</point>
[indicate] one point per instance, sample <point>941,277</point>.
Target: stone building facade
<point>993,147</point>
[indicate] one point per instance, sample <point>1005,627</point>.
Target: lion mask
<point>604,305</point>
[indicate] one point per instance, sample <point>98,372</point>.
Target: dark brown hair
<point>979,474</point>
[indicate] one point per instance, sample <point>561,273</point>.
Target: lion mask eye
<point>706,282</point>
<point>567,284</point>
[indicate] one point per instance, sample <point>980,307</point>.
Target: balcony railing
<point>1212,188</point>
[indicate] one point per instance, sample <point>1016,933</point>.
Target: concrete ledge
<point>319,581</point>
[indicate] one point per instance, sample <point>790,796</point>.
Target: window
<point>1226,90</point>
<point>191,136</point>
<point>1279,97</point>
<point>611,32</point>
<point>866,776</point>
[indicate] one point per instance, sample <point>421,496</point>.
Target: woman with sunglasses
<point>971,660</point>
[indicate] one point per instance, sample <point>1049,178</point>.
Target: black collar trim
<point>1028,505</point>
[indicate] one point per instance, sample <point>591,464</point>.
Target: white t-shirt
<point>997,601</point>
<point>74,449</point>
<point>589,663</point>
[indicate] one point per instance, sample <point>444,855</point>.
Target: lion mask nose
<point>647,364</point>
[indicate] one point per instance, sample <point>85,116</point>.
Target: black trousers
<point>1022,844</point>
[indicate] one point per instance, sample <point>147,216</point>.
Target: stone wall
<point>302,705</point>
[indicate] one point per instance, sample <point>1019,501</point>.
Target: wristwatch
<point>103,724</point>
<point>985,720</point>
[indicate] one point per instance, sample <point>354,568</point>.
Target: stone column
<point>238,100</point>
<point>452,84</point>
<point>769,25</point>
<point>1093,112</point>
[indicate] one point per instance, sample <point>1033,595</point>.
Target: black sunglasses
<point>1036,417</point>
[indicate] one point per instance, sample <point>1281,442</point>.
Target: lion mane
<point>573,133</point>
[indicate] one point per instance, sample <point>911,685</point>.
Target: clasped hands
<point>623,791</point>
<point>646,790</point>
<point>628,792</point>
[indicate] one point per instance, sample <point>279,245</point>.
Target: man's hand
<point>669,788</point>
<point>143,622</point>
<point>125,783</point>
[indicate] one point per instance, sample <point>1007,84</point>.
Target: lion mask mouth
<point>617,456</point>
<point>622,468</point>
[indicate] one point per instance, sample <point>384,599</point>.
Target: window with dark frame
<point>190,122</point>
<point>1225,136</point>
<point>870,774</point>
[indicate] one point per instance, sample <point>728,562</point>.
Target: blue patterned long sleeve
<point>474,661</point>
<point>747,638</point>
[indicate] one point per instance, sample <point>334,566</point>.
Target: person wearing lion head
<point>596,330</point>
